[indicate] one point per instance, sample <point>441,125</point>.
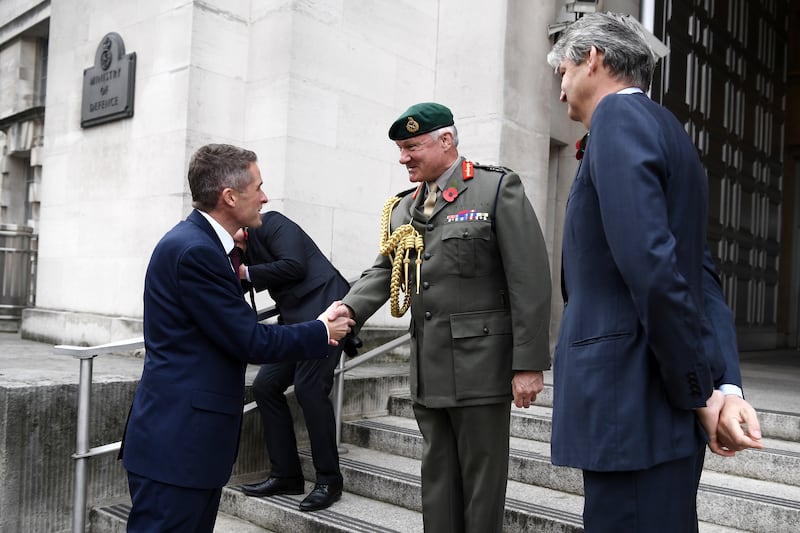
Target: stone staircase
<point>756,491</point>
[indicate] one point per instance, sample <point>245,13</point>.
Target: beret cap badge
<point>420,118</point>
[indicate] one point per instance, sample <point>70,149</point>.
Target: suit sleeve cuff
<point>328,332</point>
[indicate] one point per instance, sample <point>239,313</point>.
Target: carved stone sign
<point>108,86</point>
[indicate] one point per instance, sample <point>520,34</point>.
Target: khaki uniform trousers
<point>464,467</point>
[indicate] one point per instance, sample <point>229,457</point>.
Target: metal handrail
<point>82,450</point>
<point>86,355</point>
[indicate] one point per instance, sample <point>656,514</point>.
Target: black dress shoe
<point>321,497</point>
<point>275,485</point>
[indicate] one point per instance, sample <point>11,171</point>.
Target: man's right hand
<point>709,419</point>
<point>240,239</point>
<point>337,317</point>
<point>738,427</point>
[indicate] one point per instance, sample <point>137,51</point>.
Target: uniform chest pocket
<point>469,247</point>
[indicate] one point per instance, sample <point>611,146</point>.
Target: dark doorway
<point>726,78</point>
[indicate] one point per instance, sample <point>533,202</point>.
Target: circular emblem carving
<point>412,126</point>
<point>105,55</point>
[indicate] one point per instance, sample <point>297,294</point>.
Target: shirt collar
<point>441,181</point>
<point>630,90</point>
<point>223,235</point>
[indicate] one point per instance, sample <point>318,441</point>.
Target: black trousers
<point>660,499</point>
<point>157,506</point>
<point>312,381</point>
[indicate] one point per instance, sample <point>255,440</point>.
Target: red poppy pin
<point>450,194</point>
<point>580,146</point>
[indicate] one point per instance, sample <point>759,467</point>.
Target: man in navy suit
<point>182,434</point>
<point>645,368</point>
<point>282,258</point>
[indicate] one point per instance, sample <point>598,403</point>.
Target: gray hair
<point>215,167</point>
<point>435,134</point>
<point>619,37</point>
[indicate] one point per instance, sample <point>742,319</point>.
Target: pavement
<point>771,379</point>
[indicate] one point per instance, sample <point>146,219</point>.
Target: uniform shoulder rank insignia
<point>493,168</point>
<point>467,170</point>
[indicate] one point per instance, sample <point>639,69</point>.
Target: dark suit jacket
<point>635,353</point>
<point>719,318</point>
<point>199,335</point>
<point>483,308</point>
<point>284,260</point>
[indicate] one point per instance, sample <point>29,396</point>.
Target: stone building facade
<point>310,85</point>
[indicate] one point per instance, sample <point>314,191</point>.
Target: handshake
<point>337,317</point>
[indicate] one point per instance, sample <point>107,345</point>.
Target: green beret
<point>419,119</point>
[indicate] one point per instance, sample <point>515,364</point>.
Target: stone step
<point>373,337</point>
<point>240,513</point>
<point>774,424</point>
<point>112,518</point>
<point>779,424</point>
<point>353,513</point>
<point>365,391</point>
<point>395,479</point>
<point>722,497</point>
<point>779,461</point>
<point>381,469</point>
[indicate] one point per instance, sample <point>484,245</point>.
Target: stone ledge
<point>55,326</point>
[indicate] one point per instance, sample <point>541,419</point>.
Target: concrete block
<point>271,45</point>
<point>313,113</point>
<point>216,105</point>
<point>161,103</point>
<point>220,41</point>
<point>162,41</point>
<point>79,329</point>
<point>38,438</point>
<point>267,116</point>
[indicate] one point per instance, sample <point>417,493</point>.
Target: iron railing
<point>86,356</point>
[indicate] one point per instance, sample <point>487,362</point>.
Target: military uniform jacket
<point>483,307</point>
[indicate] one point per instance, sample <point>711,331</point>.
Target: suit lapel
<point>200,221</point>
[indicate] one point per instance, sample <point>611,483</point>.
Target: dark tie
<point>236,259</point>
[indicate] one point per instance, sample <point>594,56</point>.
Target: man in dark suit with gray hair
<point>645,368</point>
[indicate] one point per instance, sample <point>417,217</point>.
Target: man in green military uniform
<point>466,249</point>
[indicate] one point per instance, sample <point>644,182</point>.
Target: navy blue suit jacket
<point>719,318</point>
<point>286,261</point>
<point>199,335</point>
<point>636,352</point>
